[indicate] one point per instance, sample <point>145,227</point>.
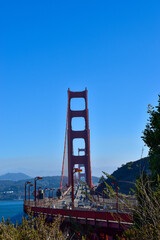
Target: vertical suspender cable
<point>64,153</point>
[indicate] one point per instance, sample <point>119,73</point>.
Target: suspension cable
<point>64,152</point>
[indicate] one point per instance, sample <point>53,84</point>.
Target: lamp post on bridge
<point>35,180</point>
<point>45,191</point>
<point>115,183</point>
<point>26,188</point>
<point>38,192</point>
<point>51,189</point>
<point>80,150</point>
<point>52,192</point>
<point>74,171</point>
<point>30,185</point>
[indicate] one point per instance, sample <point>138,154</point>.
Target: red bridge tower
<point>85,159</point>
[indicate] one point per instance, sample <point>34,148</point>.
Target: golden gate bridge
<point>72,202</point>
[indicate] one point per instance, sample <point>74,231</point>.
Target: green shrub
<point>32,228</point>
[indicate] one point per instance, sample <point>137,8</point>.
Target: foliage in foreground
<point>31,229</point>
<point>151,137</point>
<point>146,215</point>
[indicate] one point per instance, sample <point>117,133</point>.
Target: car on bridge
<point>80,204</point>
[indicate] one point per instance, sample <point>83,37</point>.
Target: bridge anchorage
<point>104,218</point>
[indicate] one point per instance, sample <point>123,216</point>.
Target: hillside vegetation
<point>126,175</point>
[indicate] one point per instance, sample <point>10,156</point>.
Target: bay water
<point>12,210</point>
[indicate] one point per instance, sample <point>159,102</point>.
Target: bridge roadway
<point>92,210</point>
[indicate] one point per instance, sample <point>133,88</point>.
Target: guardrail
<point>105,214</point>
<point>110,205</point>
<point>48,202</point>
<point>84,214</point>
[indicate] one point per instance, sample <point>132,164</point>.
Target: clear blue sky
<point>46,47</point>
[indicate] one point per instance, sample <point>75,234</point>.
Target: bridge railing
<point>122,204</point>
<point>48,203</point>
<point>110,205</point>
<point>86,214</point>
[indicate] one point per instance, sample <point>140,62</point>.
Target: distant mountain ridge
<point>14,176</point>
<point>126,175</point>
<point>14,189</point>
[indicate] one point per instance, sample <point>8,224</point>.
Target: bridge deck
<point>99,218</point>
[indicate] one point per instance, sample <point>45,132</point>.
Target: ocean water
<point>12,210</point>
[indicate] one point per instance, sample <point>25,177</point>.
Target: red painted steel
<point>84,160</point>
<point>86,214</point>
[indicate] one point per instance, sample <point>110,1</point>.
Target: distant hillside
<point>95,180</point>
<point>14,176</point>
<point>127,174</point>
<point>13,190</point>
